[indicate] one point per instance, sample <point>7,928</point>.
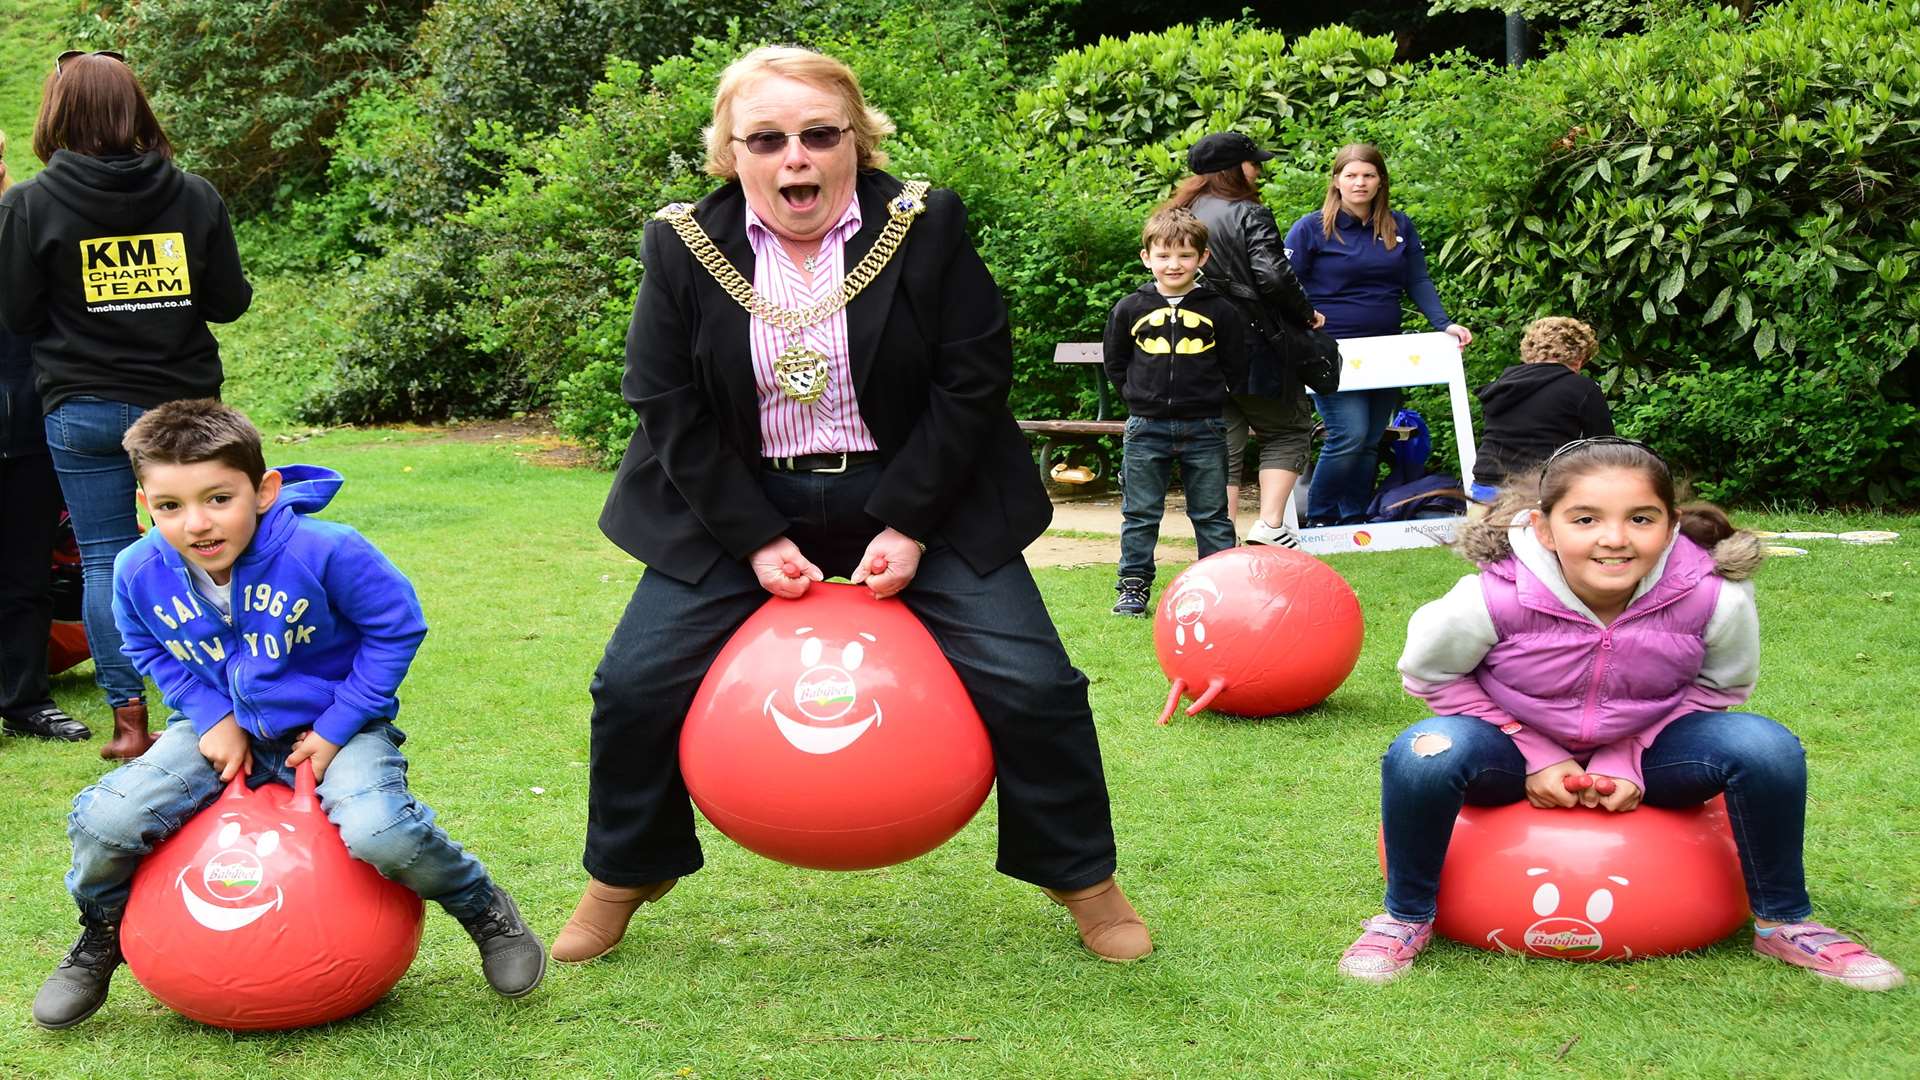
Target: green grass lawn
<point>1248,845</point>
<point>31,35</point>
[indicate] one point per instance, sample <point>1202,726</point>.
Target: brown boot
<point>1109,926</point>
<point>600,919</point>
<point>130,738</point>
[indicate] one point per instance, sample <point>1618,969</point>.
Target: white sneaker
<point>1277,535</point>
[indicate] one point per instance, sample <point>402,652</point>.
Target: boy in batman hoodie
<point>1539,404</point>
<point>1174,348</point>
<point>279,639</point>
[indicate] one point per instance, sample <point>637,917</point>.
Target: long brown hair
<point>93,105</point>
<point>1377,214</point>
<point>1703,523</point>
<point>6,179</point>
<point>1228,184</point>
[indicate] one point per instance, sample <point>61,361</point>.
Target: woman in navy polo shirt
<point>1357,258</point>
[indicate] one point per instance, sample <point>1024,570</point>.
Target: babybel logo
<point>232,875</point>
<point>824,693</point>
<point>1563,937</point>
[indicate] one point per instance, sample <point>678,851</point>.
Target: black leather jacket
<point>1247,261</point>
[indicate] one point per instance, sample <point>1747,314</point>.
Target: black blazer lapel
<point>867,314</point>
<point>723,216</point>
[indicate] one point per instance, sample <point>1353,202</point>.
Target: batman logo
<point>1151,332</point>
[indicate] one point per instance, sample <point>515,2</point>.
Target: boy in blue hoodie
<point>277,638</point>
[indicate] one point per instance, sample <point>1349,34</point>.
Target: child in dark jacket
<point>1599,658</point>
<point>1173,348</point>
<point>278,639</point>
<point>1538,404</point>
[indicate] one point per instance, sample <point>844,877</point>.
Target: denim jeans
<point>83,434</point>
<point>1055,828</point>
<point>1153,445</point>
<point>1754,761</point>
<point>117,821</point>
<point>1349,465</point>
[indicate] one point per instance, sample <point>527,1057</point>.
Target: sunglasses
<point>1595,440</point>
<point>823,137</point>
<point>75,54</point>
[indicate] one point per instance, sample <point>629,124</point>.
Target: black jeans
<point>30,493</point>
<point>1055,829</point>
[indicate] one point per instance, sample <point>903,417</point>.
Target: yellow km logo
<point>134,267</point>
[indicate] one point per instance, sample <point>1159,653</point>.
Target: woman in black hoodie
<point>114,261</point>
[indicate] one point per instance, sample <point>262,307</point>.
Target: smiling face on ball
<point>231,889</point>
<point>825,712</point>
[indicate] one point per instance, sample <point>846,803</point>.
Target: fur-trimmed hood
<point>1488,540</point>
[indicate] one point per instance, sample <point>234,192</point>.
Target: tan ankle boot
<point>130,737</point>
<point>600,919</point>
<point>1109,926</point>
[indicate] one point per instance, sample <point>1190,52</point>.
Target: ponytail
<point>1704,524</point>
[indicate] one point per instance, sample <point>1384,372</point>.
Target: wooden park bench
<point>1052,432</point>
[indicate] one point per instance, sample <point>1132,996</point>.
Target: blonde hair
<point>1171,226</point>
<point>1378,215</point>
<point>869,125</point>
<point>1559,340</point>
<point>6,178</point>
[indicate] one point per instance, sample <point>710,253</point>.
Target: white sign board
<point>1381,363</point>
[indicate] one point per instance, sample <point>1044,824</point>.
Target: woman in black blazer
<point>872,441</point>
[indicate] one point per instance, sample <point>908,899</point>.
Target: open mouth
<point>801,197</point>
<point>818,740</point>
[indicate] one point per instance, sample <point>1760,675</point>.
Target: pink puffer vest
<point>1589,685</point>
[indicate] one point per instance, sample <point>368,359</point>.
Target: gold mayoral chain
<point>803,373</point>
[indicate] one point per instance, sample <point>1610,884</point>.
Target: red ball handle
<point>1578,782</point>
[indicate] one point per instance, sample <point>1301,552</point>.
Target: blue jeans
<point>83,434</point>
<point>1153,445</point>
<point>1349,466</point>
<point>1754,761</point>
<point>117,821</point>
<point>1055,828</point>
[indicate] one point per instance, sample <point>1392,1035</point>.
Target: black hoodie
<point>1175,360</point>
<point>1530,411</point>
<point>116,265</point>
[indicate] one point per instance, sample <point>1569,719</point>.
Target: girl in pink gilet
<point>1604,640</point>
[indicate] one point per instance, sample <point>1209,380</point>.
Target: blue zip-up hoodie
<point>1355,281</point>
<point>323,626</point>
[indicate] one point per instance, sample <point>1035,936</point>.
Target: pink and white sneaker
<point>1386,950</point>
<point>1829,954</point>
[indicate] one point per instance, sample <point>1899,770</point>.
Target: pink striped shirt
<point>832,423</point>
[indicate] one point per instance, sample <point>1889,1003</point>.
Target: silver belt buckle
<point>835,472</point>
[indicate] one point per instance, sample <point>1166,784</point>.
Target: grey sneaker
<point>78,986</point>
<point>1133,596</point>
<point>511,955</point>
<point>1277,535</point>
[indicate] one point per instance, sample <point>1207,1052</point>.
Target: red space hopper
<point>831,733</point>
<point>254,916</point>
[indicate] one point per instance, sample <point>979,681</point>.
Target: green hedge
<point>1724,201</point>
<point>250,90</point>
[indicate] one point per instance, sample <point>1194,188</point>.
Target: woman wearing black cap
<point>1247,262</point>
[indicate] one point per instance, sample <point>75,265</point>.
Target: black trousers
<point>30,496</point>
<point>1055,828</point>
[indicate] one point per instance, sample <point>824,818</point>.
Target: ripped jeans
<point>117,821</point>
<point>1444,762</point>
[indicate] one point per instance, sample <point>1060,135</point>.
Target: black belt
<point>836,462</point>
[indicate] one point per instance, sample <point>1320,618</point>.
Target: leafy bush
<point>1739,196</point>
<point>1141,101</point>
<point>249,90</point>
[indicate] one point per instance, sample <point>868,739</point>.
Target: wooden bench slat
<point>1078,352</point>
<point>1075,427</point>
